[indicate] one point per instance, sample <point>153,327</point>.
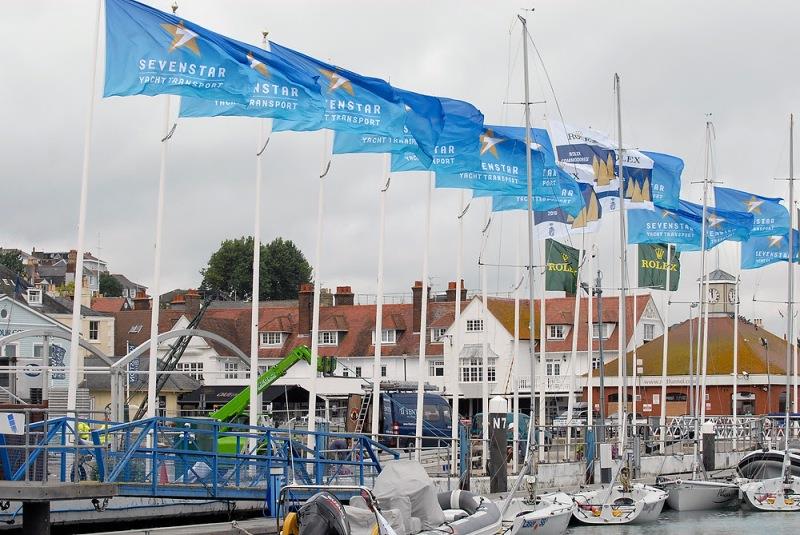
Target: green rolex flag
<point>562,267</point>
<point>653,267</point>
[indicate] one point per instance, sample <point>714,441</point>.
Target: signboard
<point>647,407</point>
<point>12,423</point>
<point>656,399</point>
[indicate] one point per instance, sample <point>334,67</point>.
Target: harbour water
<point>704,522</point>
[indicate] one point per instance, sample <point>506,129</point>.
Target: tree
<point>283,268</point>
<point>12,259</point>
<point>110,286</point>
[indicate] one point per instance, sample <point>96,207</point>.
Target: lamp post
<point>597,291</point>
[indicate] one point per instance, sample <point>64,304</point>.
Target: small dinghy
<point>466,514</point>
<point>700,495</point>
<point>545,514</point>
<point>624,503</point>
<point>774,494</point>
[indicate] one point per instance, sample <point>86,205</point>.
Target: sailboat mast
<point>790,304</point>
<point>623,261</point>
<point>529,171</point>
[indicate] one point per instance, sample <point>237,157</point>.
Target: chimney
<point>325,297</point>
<point>30,271</point>
<point>141,301</point>
<point>193,302</point>
<point>305,306</point>
<point>178,302</point>
<point>72,258</point>
<point>416,292</point>
<point>86,294</point>
<point>344,295</point>
<point>451,291</point>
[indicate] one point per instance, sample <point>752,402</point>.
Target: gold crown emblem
<point>565,257</point>
<point>660,253</point>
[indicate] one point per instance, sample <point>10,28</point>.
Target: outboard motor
<point>322,514</point>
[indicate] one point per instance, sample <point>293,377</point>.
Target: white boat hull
<point>696,495</point>
<point>613,506</point>
<point>772,494</point>
<point>548,515</point>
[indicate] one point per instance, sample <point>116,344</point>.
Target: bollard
<point>709,445</point>
<point>36,518</point>
<point>498,440</point>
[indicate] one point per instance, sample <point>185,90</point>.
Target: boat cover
<point>407,478</point>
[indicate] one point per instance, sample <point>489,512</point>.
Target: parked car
<point>580,414</point>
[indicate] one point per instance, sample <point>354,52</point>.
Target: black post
<point>498,440</point>
<point>35,518</point>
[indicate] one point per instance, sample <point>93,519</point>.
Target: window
<point>437,335</point>
<point>135,329</point>
<point>650,331</point>
<point>94,330</point>
<point>272,338</point>
<point>383,370</point>
<point>358,371</point>
<point>474,326</point>
<point>595,362</point>
<point>556,332</point>
<point>607,329</point>
<point>10,350</point>
<point>38,351</point>
<point>34,296</point>
<point>162,406</point>
<point>231,370</point>
<point>388,336</point>
<point>328,338</point>
<point>471,369</point>
<point>345,373</point>
<point>436,368</point>
<point>553,367</point>
<point>192,369</point>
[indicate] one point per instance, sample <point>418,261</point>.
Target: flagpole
<point>542,349</point>
<point>156,306</point>
<point>736,354</point>
<point>622,338</point>
<point>485,347</point>
<point>423,320</point>
<point>790,305</point>
<point>590,351</point>
<point>662,421</point>
<point>75,333</point>
<point>376,366</point>
<point>703,274</point>
<point>312,390</point>
<point>515,362</point>
<point>455,360</point>
<point>634,361</point>
<point>572,369</point>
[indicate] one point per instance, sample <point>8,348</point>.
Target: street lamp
<point>597,291</point>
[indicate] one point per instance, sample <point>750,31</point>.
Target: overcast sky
<point>679,60</point>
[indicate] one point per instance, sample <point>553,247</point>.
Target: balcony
<point>550,383</point>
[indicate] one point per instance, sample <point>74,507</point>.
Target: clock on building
<point>713,295</point>
<point>732,296</point>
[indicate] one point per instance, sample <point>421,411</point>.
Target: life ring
<point>290,525</point>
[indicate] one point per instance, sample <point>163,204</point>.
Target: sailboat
<point>547,514</point>
<point>622,502</point>
<point>698,493</point>
<point>781,493</point>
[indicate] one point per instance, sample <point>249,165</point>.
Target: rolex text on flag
<point>562,267</point>
<point>654,265</point>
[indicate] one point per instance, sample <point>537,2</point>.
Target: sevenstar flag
<point>770,217</point>
<point>721,225</point>
<point>760,251</point>
<point>353,102</point>
<point>654,265</point>
<point>590,156</point>
<point>562,267</point>
<point>149,52</point>
<point>666,185</point>
<point>663,225</point>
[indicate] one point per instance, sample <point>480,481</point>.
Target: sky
<point>681,63</point>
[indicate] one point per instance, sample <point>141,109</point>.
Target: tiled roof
<point>752,356</point>
<point>109,304</point>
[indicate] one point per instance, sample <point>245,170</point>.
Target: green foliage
<point>12,259</point>
<point>283,269</point>
<point>109,286</point>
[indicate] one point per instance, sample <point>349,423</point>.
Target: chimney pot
<point>344,296</point>
<point>451,291</point>
<point>305,305</point>
<point>416,293</point>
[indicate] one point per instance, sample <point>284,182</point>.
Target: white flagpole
<point>635,360</point>
<point>622,339</point>
<point>312,389</point>
<point>736,358</point>
<point>515,368</point>
<point>572,369</point>
<point>542,350</point>
<point>485,347</point>
<point>74,347</point>
<point>423,320</point>
<point>662,421</point>
<point>376,365</point>
<point>162,178</point>
<point>454,371</point>
<point>261,147</point>
<point>704,288</point>
<point>590,352</point>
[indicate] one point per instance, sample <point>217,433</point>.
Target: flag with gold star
<point>760,251</point>
<point>149,52</point>
<point>664,225</point>
<point>770,217</point>
<point>353,102</point>
<point>721,225</point>
<point>503,170</point>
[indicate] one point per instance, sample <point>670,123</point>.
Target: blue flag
<point>353,102</point>
<point>760,251</point>
<point>281,92</point>
<point>503,170</point>
<point>770,218</point>
<point>458,146</point>
<point>149,52</point>
<point>721,225</point>
<point>666,183</point>
<point>423,127</point>
<point>664,225</point>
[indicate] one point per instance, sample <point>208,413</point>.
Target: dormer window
<point>328,338</point>
<point>388,336</point>
<point>556,332</point>
<point>608,328</point>
<point>34,296</point>
<point>437,335</point>
<point>272,338</point>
